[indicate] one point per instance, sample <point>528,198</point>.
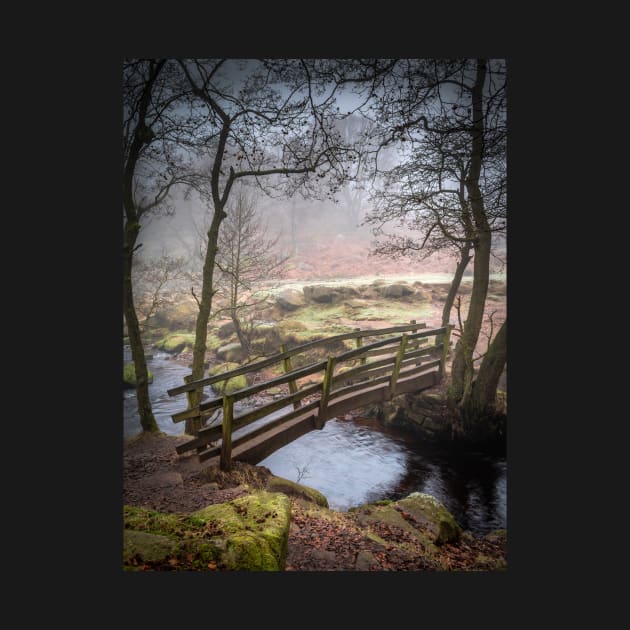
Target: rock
<point>147,547</point>
<point>321,294</point>
<point>233,349</point>
<point>129,375</point>
<point>366,561</point>
<point>279,484</point>
<point>225,330</point>
<point>290,299</point>
<point>232,384</point>
<point>397,290</point>
<point>429,512</point>
<point>249,533</point>
<point>422,296</point>
<point>175,342</point>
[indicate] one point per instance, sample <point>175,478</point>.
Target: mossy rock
<point>129,375</point>
<point>428,511</point>
<point>230,352</point>
<point>176,342</point>
<point>279,484</point>
<point>231,385</point>
<point>247,534</point>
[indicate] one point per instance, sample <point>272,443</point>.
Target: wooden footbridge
<point>317,391</point>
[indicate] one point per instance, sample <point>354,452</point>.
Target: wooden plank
<point>286,364</point>
<point>255,450</point>
<point>204,410</point>
<point>226,442</point>
<point>326,385</point>
<point>359,386</point>
<point>213,451</point>
<point>280,380</point>
<point>252,367</point>
<point>363,370</point>
<point>399,360</point>
<point>359,344</point>
<point>261,412</point>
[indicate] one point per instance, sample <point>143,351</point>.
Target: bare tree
<point>147,180</point>
<point>153,280</point>
<point>463,101</point>
<point>246,256</point>
<point>268,121</point>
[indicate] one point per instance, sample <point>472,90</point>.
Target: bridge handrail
<point>258,365</point>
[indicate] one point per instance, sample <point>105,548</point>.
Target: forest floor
<point>319,540</point>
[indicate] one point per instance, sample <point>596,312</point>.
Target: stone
<point>397,290</point>
<point>223,351</point>
<point>249,533</point>
<point>225,330</point>
<point>321,294</point>
<point>429,512</point>
<point>279,484</point>
<point>290,299</point>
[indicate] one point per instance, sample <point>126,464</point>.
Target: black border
<point>88,278</point>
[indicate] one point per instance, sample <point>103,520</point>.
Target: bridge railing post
<point>190,399</point>
<point>326,385</point>
<point>399,358</point>
<point>359,344</point>
<point>286,365</point>
<point>226,442</point>
<point>446,339</point>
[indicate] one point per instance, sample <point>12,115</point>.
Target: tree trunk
<point>462,370</point>
<point>147,419</point>
<point>242,338</point>
<point>205,306</point>
<point>462,263</point>
<point>483,399</point>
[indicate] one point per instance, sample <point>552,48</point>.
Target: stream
<point>356,460</point>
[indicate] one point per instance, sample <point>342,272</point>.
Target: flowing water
<point>355,461</point>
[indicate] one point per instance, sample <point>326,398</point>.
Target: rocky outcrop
<point>290,299</point>
<point>322,294</point>
<point>230,352</point>
<point>279,484</point>
<point>247,534</point>
<point>232,384</point>
<point>396,290</point>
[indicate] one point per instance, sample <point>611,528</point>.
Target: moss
<point>250,533</point>
<point>279,484</point>
<point>231,385</point>
<point>129,374</point>
<point>176,342</point>
<point>430,512</point>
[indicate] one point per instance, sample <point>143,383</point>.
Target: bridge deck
<point>277,434</point>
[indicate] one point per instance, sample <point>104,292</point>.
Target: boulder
<point>231,349</point>
<point>247,534</point>
<point>225,330</point>
<point>396,290</point>
<point>321,294</point>
<point>175,342</point>
<point>279,484</point>
<point>429,513</point>
<point>232,384</point>
<point>290,299</point>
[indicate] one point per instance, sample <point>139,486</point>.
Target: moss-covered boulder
<point>176,342</point>
<point>129,375</point>
<point>397,290</point>
<point>247,534</point>
<point>429,513</point>
<point>181,315</point>
<point>279,484</point>
<point>232,384</point>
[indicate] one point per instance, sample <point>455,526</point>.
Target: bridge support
<point>226,437</point>
<point>326,385</point>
